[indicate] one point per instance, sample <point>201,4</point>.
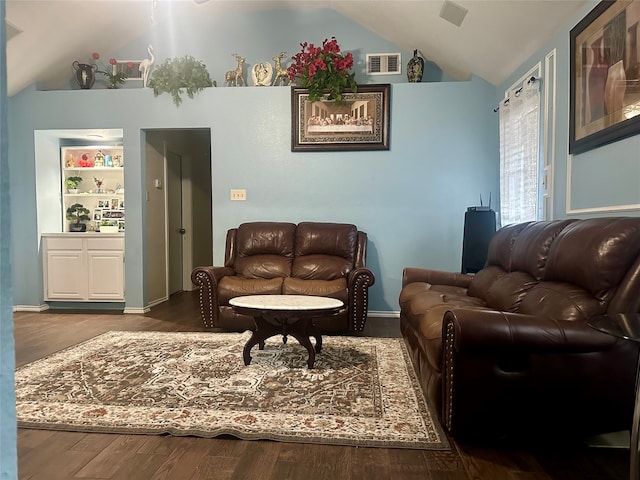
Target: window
<point>519,153</point>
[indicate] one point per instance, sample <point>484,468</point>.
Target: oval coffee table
<point>285,315</point>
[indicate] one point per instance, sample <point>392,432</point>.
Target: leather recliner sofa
<point>268,258</point>
<point>508,352</point>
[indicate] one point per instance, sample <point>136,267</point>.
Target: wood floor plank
<point>181,464</point>
<point>107,462</point>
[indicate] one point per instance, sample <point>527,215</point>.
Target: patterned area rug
<point>362,391</point>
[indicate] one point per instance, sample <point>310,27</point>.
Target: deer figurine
<point>235,76</point>
<point>282,76</point>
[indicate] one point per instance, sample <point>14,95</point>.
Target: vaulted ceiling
<point>495,36</point>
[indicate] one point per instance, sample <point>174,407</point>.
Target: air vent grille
<point>383,64</point>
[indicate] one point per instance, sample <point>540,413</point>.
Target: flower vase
<point>84,74</point>
<point>415,67</point>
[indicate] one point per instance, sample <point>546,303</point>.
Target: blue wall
<point>410,199</point>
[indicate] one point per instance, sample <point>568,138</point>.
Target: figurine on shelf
<point>70,161</point>
<point>98,182</point>
<point>235,77</point>
<point>282,75</point>
<point>99,159</point>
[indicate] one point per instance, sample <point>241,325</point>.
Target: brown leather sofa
<point>507,353</point>
<point>269,258</point>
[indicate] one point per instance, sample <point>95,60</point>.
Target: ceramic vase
<point>84,74</point>
<point>415,67</point>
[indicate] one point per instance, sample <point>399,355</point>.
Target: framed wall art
<point>604,90</point>
<point>359,122</point>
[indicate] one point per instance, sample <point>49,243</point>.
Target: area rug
<point>361,391</point>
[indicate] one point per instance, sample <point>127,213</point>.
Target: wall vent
<point>383,64</point>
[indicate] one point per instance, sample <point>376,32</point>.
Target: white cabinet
<point>101,190</point>
<point>83,267</point>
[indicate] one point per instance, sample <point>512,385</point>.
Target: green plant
<point>176,74</point>
<point>323,68</point>
<point>78,214</point>
<point>73,182</point>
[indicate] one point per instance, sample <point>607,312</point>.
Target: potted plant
<point>72,184</point>
<point>78,214</point>
<point>179,73</point>
<point>323,70</point>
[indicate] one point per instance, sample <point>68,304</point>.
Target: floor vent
<point>383,64</point>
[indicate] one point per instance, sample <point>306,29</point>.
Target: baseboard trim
<point>136,310</point>
<point>31,308</point>
<point>375,313</point>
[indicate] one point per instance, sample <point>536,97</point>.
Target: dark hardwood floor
<point>51,455</point>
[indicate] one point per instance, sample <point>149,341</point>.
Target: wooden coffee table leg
<point>315,333</point>
<point>263,331</point>
<point>300,331</point>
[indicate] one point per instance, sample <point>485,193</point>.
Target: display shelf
<point>101,168</point>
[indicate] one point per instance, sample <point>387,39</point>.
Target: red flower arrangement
<point>323,68</point>
<point>115,79</point>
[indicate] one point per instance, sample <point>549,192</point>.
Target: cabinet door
<point>106,274</point>
<point>65,276</point>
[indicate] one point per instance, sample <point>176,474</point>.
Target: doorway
<point>178,209</point>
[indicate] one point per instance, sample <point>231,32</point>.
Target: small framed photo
<point>114,203</point>
<point>121,205</point>
<point>113,214</point>
<point>103,203</point>
<point>120,225</point>
<point>97,214</point>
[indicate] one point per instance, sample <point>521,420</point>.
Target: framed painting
<point>359,122</point>
<point>604,91</point>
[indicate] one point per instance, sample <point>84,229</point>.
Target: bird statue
<point>146,65</point>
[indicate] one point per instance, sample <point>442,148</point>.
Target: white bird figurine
<point>146,65</point>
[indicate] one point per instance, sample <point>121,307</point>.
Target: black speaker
<point>479,227</point>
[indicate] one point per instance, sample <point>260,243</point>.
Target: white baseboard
<point>30,308</point>
<point>136,310</point>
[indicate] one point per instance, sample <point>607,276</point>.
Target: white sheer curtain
<point>519,154</point>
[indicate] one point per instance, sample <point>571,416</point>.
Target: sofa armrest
<point>435,277</point>
<point>505,373</point>
<point>489,330</point>
<point>359,281</point>
<point>207,279</point>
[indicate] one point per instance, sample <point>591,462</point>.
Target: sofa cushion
<point>561,301</point>
<point>501,244</point>
<point>333,239</point>
<point>235,286</point>
<point>264,249</point>
<point>482,281</point>
<point>507,291</point>
<point>321,288</point>
<point>263,266</point>
<point>531,247</point>
<point>321,267</point>
<point>594,254</point>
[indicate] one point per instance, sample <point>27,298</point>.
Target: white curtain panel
<point>519,154</point>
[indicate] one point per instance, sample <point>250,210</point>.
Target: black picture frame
<point>604,92</point>
<point>359,122</point>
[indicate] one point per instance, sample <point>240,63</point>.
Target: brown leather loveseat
<point>278,258</point>
<point>508,352</point>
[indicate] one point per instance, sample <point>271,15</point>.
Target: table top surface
<point>286,302</point>
<point>621,325</point>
